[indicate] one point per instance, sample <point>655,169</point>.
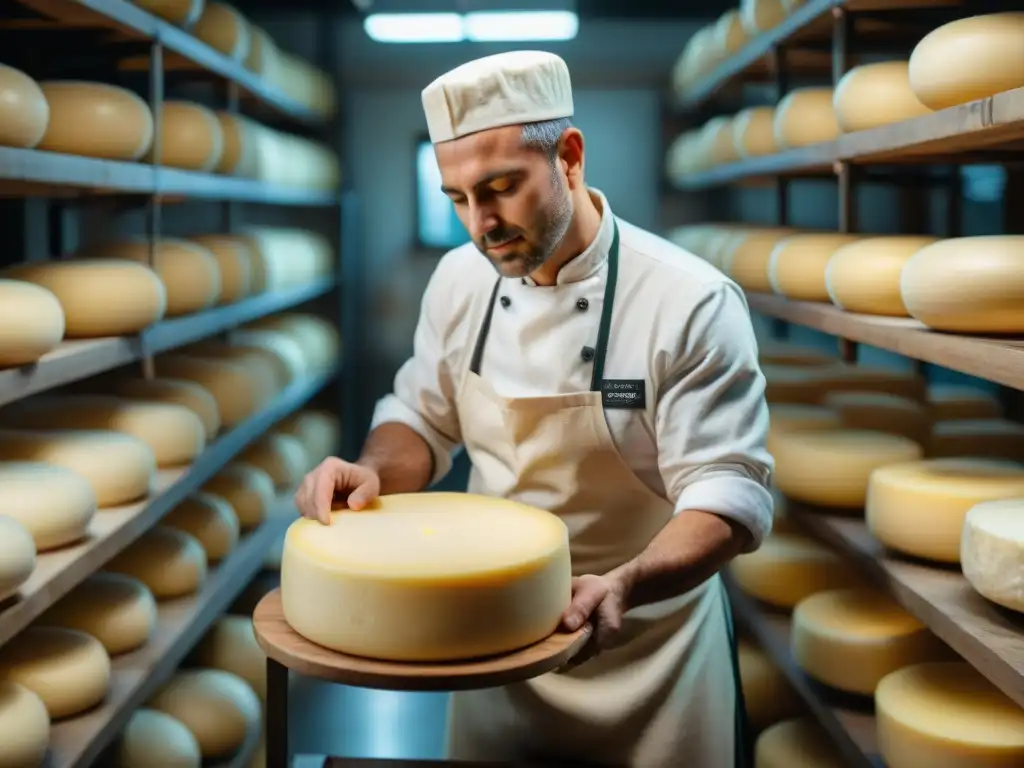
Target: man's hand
<point>601,601</point>
<point>355,484</point>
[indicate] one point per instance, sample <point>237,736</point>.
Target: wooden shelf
<point>852,730</point>
<point>114,529</point>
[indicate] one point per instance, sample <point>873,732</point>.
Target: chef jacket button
<point>582,304</point>
<point>587,353</point>
<point>505,301</point>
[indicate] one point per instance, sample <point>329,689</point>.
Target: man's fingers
<point>365,493</point>
<point>587,595</point>
<point>323,494</point>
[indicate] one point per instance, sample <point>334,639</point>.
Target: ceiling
<point>587,9</point>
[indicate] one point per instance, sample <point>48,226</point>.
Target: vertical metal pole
<point>154,224</point>
<point>277,715</point>
<point>230,208</point>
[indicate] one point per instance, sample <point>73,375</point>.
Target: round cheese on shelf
<point>996,438</point>
<point>749,255</point>
<point>240,155</point>
<point>876,94</point>
<point>117,610</point>
<point>24,112</point>
<point>729,36</point>
<point>867,378</point>
<point>318,431</point>
<point>249,490</point>
<point>174,391</point>
<point>285,352</point>
<point>799,743</point>
<point>761,15</point>
<point>239,395</point>
<point>231,645</point>
<point>794,417</point>
<point>798,265</point>
<point>68,669</point>
<point>219,708</point>
<point>96,120</point>
<point>235,262</point>
<point>716,142</point>
<point>120,468</point>
<point>789,567</point>
<point>881,412</point>
<point>191,137</point>
<point>262,367</point>
<point>992,551</point>
<point>171,563</point>
<point>185,13</point>
<point>99,297</point>
<point>830,468</point>
<point>404,558</point>
<point>864,276</point>
<point>280,456</point>
<point>211,520</point>
<point>154,738</point>
<point>969,59</point>
<point>947,714</point>
<point>54,504</point>
<point>767,694</point>
<point>17,556</point>
<point>261,50</point>
<point>290,257</point>
<point>224,29</point>
<point>793,384</point>
<point>31,320</point>
<point>785,353</point>
<point>918,508</point>
<point>989,295</point>
<point>318,337</point>
<point>805,116</point>
<point>956,401</point>
<point>24,727</point>
<point>753,132</point>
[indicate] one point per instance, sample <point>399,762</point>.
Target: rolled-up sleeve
<point>711,418</point>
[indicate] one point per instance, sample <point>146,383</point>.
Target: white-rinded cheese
<point>992,551</point>
<point>262,50</point>
<point>280,456</point>
<point>918,508</point>
<point>789,567</point>
<point>175,391</point>
<point>747,259</point>
<point>173,432</point>
<point>864,276</point>
<point>799,743</point>
<point>191,137</point>
<point>767,694</point>
<point>154,738</point>
<point>850,639</point>
<point>68,669</point>
<point>24,727</point>
<point>17,556</point>
<point>956,401</point>
<point>100,297</point>
<point>969,59</point>
<point>318,431</point>
<point>830,468</point>
<point>425,593</point>
<point>96,120</point>
<point>290,257</point>
<point>249,490</point>
<point>876,94</point>
<point>786,353</point>
<point>946,715</point>
<point>120,468</point>
<point>117,610</point>
<point>54,504</point>
<point>181,12</point>
<point>231,645</point>
<point>224,29</point>
<point>790,417</point>
<point>239,395</point>
<point>797,265</point>
<point>219,708</point>
<point>881,412</point>
<point>171,563</point>
<point>998,438</point>
<point>805,116</point>
<point>761,15</point>
<point>284,351</point>
<point>234,258</point>
<point>241,155</point>
<point>753,132</point>
<point>31,320</point>
<point>989,295</point>
<point>318,337</point>
<point>729,36</point>
<point>24,113</point>
<point>211,520</point>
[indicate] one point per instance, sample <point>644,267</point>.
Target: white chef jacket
<point>678,324</point>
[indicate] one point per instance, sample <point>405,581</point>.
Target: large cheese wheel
<point>989,295</point>
<point>956,401</point>
<point>120,468</point>
<point>31,318</point>
<point>850,639</point>
<point>761,15</point>
<point>753,132</point>
<point>715,142</point>
<point>174,391</point>
<point>881,412</point>
<point>749,255</point>
<point>767,694</point>
<point>290,257</point>
<point>191,137</point>
<point>219,708</point>
<point>224,29</point>
<point>171,563</point>
<point>318,431</point>
<point>428,597</point>
<point>17,556</point>
<point>864,276</point>
<point>68,669</point>
<point>918,508</point>
<point>173,432</point>
<point>997,438</point>
<point>100,297</point>
<point>799,743</point>
<point>54,504</point>
<point>805,116</point>
<point>876,94</point>
<point>241,155</point>
<point>24,727</point>
<point>249,490</point>
<point>182,12</point>
<point>117,610</point>
<point>96,120</point>
<point>280,456</point>
<point>830,468</point>
<point>211,520</point>
<point>798,264</point>
<point>946,715</point>
<point>791,417</point>
<point>992,551</point>
<point>231,645</point>
<point>24,112</point>
<point>235,259</point>
<point>969,59</point>
<point>239,395</point>
<point>154,738</point>
<point>786,568</point>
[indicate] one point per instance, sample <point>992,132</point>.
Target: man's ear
<point>570,155</point>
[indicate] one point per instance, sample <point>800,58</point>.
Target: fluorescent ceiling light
<point>414,27</point>
<point>477,26</point>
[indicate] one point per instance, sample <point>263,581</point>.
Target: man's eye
<point>501,185</point>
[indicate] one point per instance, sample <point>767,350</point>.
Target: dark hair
<point>543,136</point>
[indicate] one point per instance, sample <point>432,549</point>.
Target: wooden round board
<point>288,648</point>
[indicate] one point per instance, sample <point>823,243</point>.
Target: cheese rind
<point>881,412</point>
<point>796,744</point>
<point>876,94</point>
<point>279,455</point>
<point>231,645</point>
<point>211,520</point>
<point>767,694</point>
<point>54,504</point>
<point>154,738</point>
<point>954,401</point>
<point>864,276</point>
<point>24,111</point>
<point>31,322</point>
<point>318,431</point>
<point>429,577</point>
<point>753,132</point>
<point>191,137</point>
<point>995,438</point>
<point>787,417</point>
<point>992,551</point>
<point>17,556</point>
<point>171,563</point>
<point>249,490</point>
<point>749,255</point>
<point>96,120</point>
<point>805,116</point>
<point>798,265</point>
<point>24,727</point>
<point>175,391</point>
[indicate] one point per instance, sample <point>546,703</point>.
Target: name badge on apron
<point>624,393</point>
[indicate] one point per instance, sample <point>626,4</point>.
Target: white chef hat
<point>504,89</point>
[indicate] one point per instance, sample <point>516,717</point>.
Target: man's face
<point>514,201</point>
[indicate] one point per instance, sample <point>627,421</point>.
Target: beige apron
<point>667,694</point>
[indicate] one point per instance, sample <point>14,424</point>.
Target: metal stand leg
<point>277,715</point>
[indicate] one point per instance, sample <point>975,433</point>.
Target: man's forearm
<point>400,457</point>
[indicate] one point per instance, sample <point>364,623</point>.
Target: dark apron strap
<point>485,329</point>
<point>742,746</point>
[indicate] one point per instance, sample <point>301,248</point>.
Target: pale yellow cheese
<point>791,417</point>
<point>249,490</point>
<point>96,120</point>
<point>181,12</point>
<point>715,142</point>
<point>767,694</point>
<point>211,520</point>
<point>805,116</point>
<point>290,257</point>
<point>280,456</point>
<point>956,401</point>
<point>730,36</point>
<point>747,259</point>
<point>284,352</point>
<point>224,29</point>
<point>318,336</point>
<point>876,94</point>
<point>799,743</point>
<point>235,262</point>
<point>946,715</point>
<point>753,132</point>
<point>191,137</point>
<point>238,394</point>
<point>154,738</point>
<point>969,59</point>
<point>68,669</point>
<point>761,15</point>
<point>117,610</point>
<point>998,438</point>
<point>24,112</point>
<point>918,508</point>
<point>830,468</point>
<point>992,551</point>
<point>437,576</point>
<point>231,645</point>
<point>175,391</point>
<point>989,295</point>
<point>798,264</point>
<point>54,504</point>
<point>31,318</point>
<point>24,727</point>
<point>17,556</point>
<point>171,563</point>
<point>864,276</point>
<point>241,155</point>
<point>881,412</point>
<point>262,367</point>
<point>120,468</point>
<point>219,708</point>
<point>318,431</point>
<point>99,297</point>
